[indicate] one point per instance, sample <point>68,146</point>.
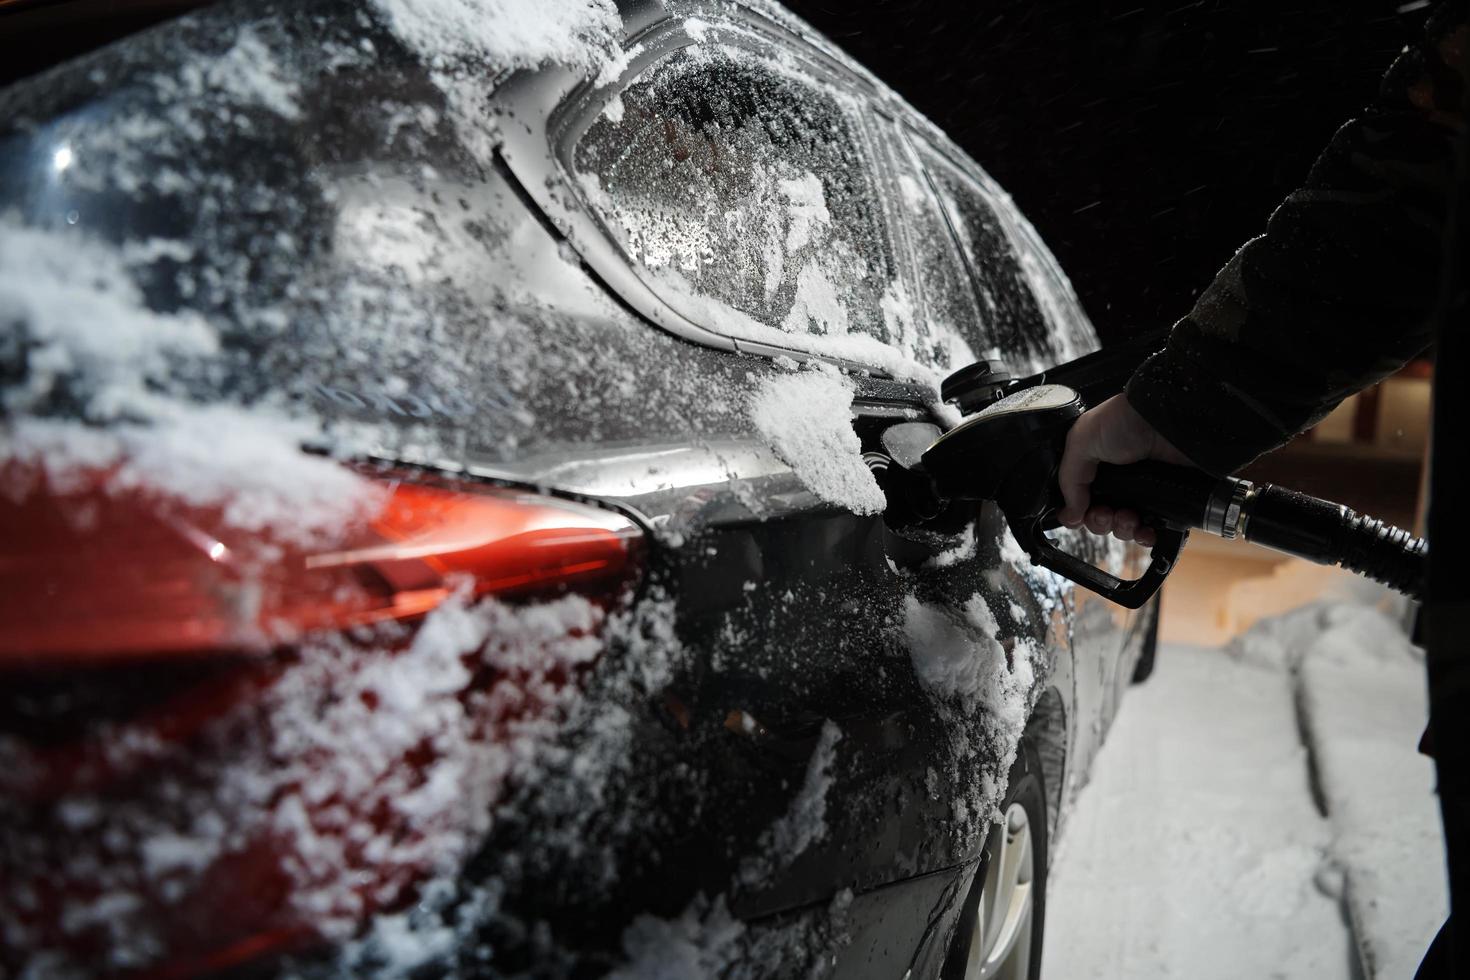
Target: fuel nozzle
<point>1010,450</point>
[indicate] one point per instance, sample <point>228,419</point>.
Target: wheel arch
<point>1046,730</point>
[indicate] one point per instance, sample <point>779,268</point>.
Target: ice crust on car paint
<point>88,339</point>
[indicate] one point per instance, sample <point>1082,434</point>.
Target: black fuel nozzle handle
<point>1284,520</point>
<point>1009,453</point>
<point>1129,593</point>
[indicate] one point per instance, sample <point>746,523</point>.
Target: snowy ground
<point>1201,848</point>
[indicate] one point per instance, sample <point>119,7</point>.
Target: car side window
<point>1012,322</point>
<point>947,295</point>
<point>744,193</point>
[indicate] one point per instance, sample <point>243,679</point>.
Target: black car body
<point>660,280</point>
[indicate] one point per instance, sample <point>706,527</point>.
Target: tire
<point>1145,665</point>
<point>1025,794</point>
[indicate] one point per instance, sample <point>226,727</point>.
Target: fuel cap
<point>974,386</point>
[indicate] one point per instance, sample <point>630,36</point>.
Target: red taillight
<point>156,664</point>
<point>98,575</point>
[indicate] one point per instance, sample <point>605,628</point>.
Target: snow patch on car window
<point>807,419</point>
<point>948,295</point>
<point>816,307</point>
<point>806,209</point>
<point>1027,311</point>
<point>1072,336</point>
<point>742,187</point>
<point>851,348</point>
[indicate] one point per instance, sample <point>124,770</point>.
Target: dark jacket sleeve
<point>1340,290</point>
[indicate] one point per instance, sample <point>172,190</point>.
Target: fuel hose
<point>1284,520</point>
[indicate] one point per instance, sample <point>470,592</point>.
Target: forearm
<point>1338,293</point>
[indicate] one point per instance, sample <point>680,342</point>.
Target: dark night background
<point>1145,143</point>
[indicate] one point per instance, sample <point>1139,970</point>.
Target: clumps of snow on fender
<point>805,821</point>
<point>363,769</point>
<point>807,419</point>
<point>975,679</point>
<point>506,33</point>
<point>702,942</point>
<point>706,941</point>
<point>816,304</point>
<point>354,750</point>
<point>961,657</point>
<point>567,749</point>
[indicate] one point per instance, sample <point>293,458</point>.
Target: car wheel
<point>1000,929</point>
<point>1145,665</point>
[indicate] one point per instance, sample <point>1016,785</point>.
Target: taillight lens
<point>96,576</point>
<point>159,668</point>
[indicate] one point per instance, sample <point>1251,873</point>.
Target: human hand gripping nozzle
<point>1008,450</point>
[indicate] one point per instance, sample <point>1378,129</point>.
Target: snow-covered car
<point>447,523</point>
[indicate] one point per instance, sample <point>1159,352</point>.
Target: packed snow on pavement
<point>1259,811</point>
